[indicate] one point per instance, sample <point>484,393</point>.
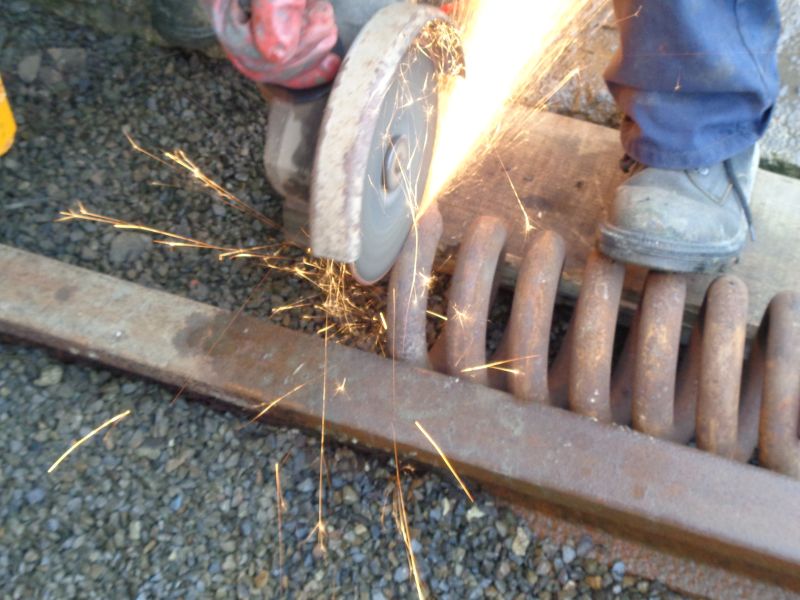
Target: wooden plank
<point>565,172</point>
<point>690,502</point>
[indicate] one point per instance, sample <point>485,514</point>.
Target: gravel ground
<point>178,500</point>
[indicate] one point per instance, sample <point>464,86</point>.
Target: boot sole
<point>681,257</point>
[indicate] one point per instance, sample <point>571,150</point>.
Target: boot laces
<point>741,197</point>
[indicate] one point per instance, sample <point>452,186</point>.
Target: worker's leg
<point>696,80</point>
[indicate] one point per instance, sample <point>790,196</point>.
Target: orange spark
<point>499,365</point>
<point>272,404</point>
<point>325,330</point>
<point>85,438</point>
<point>281,508</point>
<point>173,240</point>
<point>508,46</point>
<point>437,315</point>
<point>179,158</point>
<point>320,527</point>
<point>401,520</point>
<point>461,315</point>
<point>400,515</point>
<point>542,104</point>
<point>352,310</point>
<point>303,302</point>
<point>528,226</point>
<point>444,458</point>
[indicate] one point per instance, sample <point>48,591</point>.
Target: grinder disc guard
<point>376,143</point>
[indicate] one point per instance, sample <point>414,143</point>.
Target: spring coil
<point>707,392</point>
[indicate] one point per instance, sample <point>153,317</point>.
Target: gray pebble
<point>618,570</point>
<point>68,58</point>
<point>129,388</point>
<point>349,495</point>
<point>543,568</point>
<point>50,376</point>
<point>229,564</point>
<point>127,246</point>
<point>306,486</point>
<point>149,451</point>
<point>176,503</point>
<point>28,67</point>
<point>35,496</point>
<point>401,574</point>
<point>585,545</point>
<point>135,530</point>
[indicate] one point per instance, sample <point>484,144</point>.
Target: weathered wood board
<point>565,172</point>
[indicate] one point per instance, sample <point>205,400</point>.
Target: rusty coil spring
<point>727,404</point>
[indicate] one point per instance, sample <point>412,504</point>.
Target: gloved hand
<point>284,42</point>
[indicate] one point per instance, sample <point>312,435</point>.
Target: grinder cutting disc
<point>376,143</point>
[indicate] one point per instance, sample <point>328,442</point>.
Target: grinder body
<point>294,119</point>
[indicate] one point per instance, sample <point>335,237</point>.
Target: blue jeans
<point>695,79</point>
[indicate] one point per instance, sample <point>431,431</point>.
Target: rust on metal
<point>407,330</point>
<point>654,385</point>
<point>592,343</point>
<point>724,330</point>
<point>656,409</point>
<point>471,292</point>
<point>722,512</point>
<point>780,418</point>
<point>528,334</point>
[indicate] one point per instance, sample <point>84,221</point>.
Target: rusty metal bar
<point>724,324</point>
<point>470,296</point>
<point>655,410</point>
<point>739,516</point>
<point>528,332</point>
<point>592,346</point>
<point>780,420</point>
<point>408,295</point>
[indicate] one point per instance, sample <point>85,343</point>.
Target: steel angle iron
<point>377,135</point>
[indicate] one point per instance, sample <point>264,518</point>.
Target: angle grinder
<point>354,155</point>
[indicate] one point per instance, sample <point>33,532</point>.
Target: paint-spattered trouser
<point>696,79</point>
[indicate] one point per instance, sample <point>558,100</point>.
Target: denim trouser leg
<point>696,79</point>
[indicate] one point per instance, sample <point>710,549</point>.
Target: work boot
<point>686,221</point>
<point>182,23</point>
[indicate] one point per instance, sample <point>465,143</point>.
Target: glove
<point>284,42</point>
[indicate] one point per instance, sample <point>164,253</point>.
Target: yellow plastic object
<point>7,125</point>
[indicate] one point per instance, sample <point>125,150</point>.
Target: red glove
<point>285,42</point>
